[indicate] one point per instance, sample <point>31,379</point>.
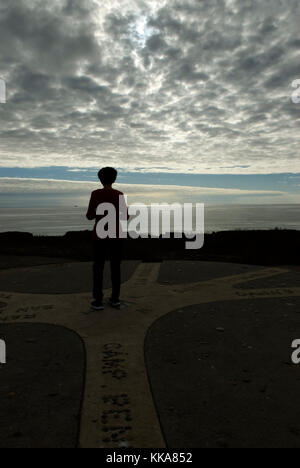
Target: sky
<point>174,94</point>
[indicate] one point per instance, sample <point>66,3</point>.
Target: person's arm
<point>127,210</point>
<point>91,213</point>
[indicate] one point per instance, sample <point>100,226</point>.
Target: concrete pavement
<point>123,405</point>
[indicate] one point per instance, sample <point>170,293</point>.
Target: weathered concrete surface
<point>18,261</point>
<point>61,278</point>
<point>41,387</point>
<point>176,272</point>
<point>222,375</point>
<point>291,279</point>
<point>118,408</point>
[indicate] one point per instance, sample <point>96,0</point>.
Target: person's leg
<point>115,252</point>
<point>98,268</point>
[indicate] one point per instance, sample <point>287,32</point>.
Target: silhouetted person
<point>109,248</point>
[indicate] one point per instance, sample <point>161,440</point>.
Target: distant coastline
<point>58,220</point>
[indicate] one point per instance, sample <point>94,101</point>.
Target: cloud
<point>137,193</point>
<point>179,86</point>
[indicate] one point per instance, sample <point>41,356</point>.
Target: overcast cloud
<point>43,191</point>
<point>177,86</point>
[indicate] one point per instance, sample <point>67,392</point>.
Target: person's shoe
<point>115,303</point>
<point>97,305</point>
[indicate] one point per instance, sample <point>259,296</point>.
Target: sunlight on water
<point>58,221</point>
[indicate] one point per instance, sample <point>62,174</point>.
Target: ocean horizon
<point>56,221</point>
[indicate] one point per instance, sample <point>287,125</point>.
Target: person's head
<point>107,176</point>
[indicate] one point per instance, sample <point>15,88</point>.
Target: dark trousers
<point>107,249</point>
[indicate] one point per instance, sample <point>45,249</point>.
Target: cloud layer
<point>193,86</point>
<point>41,191</point>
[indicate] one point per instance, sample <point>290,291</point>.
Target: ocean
<point>59,220</point>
